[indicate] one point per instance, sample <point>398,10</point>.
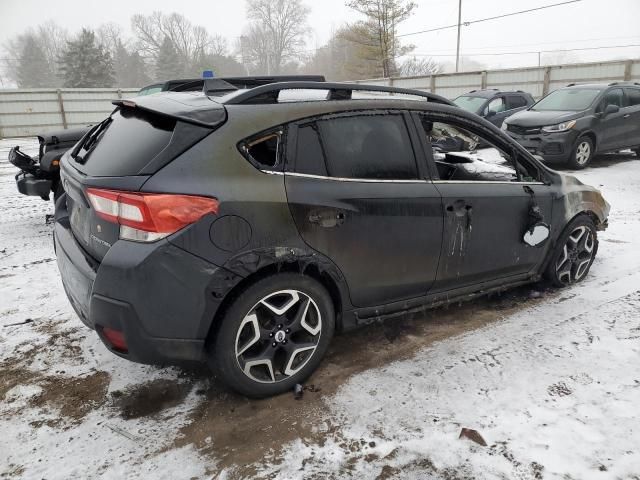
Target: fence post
<point>483,81</point>
<point>432,83</point>
<point>62,112</point>
<point>547,80</point>
<point>627,70</point>
<point>119,93</point>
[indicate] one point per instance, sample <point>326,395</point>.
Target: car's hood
<point>533,118</point>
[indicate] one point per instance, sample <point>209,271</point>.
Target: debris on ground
<point>472,435</point>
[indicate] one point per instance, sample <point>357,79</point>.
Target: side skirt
<point>365,316</point>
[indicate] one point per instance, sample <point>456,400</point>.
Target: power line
<point>521,52</point>
<point>466,24</point>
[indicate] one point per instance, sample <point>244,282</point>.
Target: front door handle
<point>626,115</point>
<point>327,218</point>
<point>461,209</point>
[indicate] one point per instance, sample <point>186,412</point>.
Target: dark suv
<point>244,229</point>
<point>493,104</point>
<point>573,124</point>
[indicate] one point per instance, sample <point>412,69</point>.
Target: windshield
<point>471,104</point>
<point>568,100</point>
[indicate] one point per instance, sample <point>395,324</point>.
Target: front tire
<point>273,335</point>
<point>582,153</point>
<point>574,253</point>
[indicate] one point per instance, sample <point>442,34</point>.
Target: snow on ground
<point>552,384</point>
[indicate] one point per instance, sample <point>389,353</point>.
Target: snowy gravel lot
<point>550,378</point>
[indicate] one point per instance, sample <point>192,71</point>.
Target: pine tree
<point>84,63</point>
<point>168,62</point>
<point>33,69</point>
<point>130,69</point>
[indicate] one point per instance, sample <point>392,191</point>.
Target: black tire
<point>637,152</point>
<point>287,350</point>
<point>582,154</point>
<point>557,268</point>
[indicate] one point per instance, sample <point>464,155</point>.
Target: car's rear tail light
<point>146,217</point>
<point>116,339</point>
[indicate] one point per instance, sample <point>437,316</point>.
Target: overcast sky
<point>588,23</point>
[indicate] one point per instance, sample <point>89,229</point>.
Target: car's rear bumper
<point>162,298</point>
<point>552,147</point>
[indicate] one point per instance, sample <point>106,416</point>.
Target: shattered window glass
<point>368,147</point>
<point>464,156</point>
<point>265,150</point>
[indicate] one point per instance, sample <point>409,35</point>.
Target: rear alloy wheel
<point>574,253</point>
<point>274,335</point>
<point>582,153</point>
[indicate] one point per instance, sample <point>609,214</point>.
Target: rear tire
<point>273,335</point>
<point>582,153</point>
<point>574,252</point>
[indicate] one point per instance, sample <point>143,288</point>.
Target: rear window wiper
<point>90,140</point>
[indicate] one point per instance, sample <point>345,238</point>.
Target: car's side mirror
<point>611,108</point>
<point>490,114</point>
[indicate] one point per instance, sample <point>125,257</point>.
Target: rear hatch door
<point>123,151</point>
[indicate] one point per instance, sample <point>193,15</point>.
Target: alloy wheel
<point>576,256</point>
<point>278,336</point>
<point>583,153</point>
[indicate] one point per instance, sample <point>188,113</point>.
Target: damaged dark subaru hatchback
<point>244,227</point>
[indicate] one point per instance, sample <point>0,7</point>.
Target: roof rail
<point>197,84</point>
<point>337,91</point>
<point>623,83</point>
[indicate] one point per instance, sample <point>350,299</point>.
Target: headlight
<point>504,126</point>
<point>560,127</point>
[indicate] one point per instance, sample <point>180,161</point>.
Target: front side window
<point>614,97</point>
<point>375,146</point>
<point>462,155</point>
<point>497,105</point>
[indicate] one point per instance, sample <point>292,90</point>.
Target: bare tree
<point>343,59</point>
<point>276,34</point>
<point>110,36</point>
<point>50,40</point>
<point>377,34</point>
<point>414,67</point>
<point>190,41</point>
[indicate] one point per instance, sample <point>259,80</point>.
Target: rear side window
<point>366,147</point>
<point>516,101</point>
<point>633,96</point>
<point>265,150</point>
<point>309,156</point>
<point>130,140</point>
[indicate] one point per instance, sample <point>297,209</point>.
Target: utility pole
<point>459,25</point>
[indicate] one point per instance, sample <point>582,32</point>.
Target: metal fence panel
<point>30,111</point>
<point>537,81</point>
<point>27,112</point>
